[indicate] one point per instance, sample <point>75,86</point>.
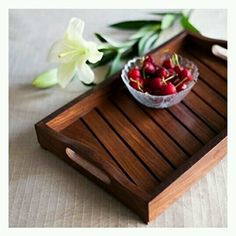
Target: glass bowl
<point>156,101</point>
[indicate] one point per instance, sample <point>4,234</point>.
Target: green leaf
<point>107,57</point>
<point>116,65</point>
<point>167,21</point>
<point>131,52</point>
<point>134,25</point>
<point>100,38</point>
<point>90,85</point>
<point>187,25</point>
<point>179,13</point>
<point>187,12</point>
<point>144,30</point>
<point>106,39</point>
<point>151,42</point>
<point>114,44</point>
<point>142,43</point>
<point>46,79</point>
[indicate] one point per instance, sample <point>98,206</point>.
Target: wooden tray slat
<point>201,48</point>
<point>134,138</point>
<point>204,111</point>
<point>145,157</point>
<point>218,65</point>
<point>192,122</point>
<point>175,129</point>
<point>78,131</point>
<point>151,130</point>
<point>118,149</point>
<point>211,98</point>
<point>209,76</point>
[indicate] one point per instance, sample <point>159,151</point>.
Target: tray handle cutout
<point>88,166</point>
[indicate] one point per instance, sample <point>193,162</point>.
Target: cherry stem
<point>138,83</point>
<point>175,59</point>
<point>186,78</point>
<point>133,80</point>
<point>169,78</point>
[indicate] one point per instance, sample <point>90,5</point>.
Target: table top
<point>44,191</point>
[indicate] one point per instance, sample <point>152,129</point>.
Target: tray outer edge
<point>46,136</point>
<point>189,173</point>
<point>120,187</point>
<point>144,206</point>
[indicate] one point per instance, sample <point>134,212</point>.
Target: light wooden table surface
<point>44,191</point>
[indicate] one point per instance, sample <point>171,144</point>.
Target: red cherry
<point>149,68</point>
<point>186,73</point>
<point>167,89</point>
<point>162,72</point>
<point>171,72</point>
<point>143,82</point>
<point>148,58</point>
<point>147,90</point>
<point>178,69</point>
<point>176,80</point>
<point>168,64</point>
<point>134,73</point>
<point>134,85</point>
<point>156,83</point>
<point>137,83</point>
<point>156,92</point>
<point>181,87</point>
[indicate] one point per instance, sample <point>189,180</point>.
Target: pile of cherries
<point>167,79</point>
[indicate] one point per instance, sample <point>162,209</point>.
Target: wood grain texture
<point>154,133</point>
<point>123,155</point>
<point>211,98</point>
<point>192,122</point>
<point>205,112</point>
<point>210,77</point>
<point>201,47</point>
<point>188,174</point>
<point>176,130</point>
<point>208,60</point>
<point>150,157</point>
<point>57,143</point>
<point>136,141</point>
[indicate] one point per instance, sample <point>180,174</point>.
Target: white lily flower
<point>72,52</point>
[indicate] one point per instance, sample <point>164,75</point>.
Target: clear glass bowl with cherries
<point>160,86</point>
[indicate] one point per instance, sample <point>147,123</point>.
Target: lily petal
<point>72,52</point>
<point>62,52</point>
<point>85,74</point>
<point>75,29</point>
<point>65,73</point>
<point>93,54</point>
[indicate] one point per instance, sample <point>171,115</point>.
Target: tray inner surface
<point>147,145</point>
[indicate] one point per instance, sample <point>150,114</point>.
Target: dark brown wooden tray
<point>146,158</point>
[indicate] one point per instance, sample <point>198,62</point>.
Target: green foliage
<point>167,21</point>
<point>116,65</point>
<point>142,41</point>
<point>134,25</point>
<point>187,25</point>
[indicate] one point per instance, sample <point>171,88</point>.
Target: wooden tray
<point>146,158</point>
